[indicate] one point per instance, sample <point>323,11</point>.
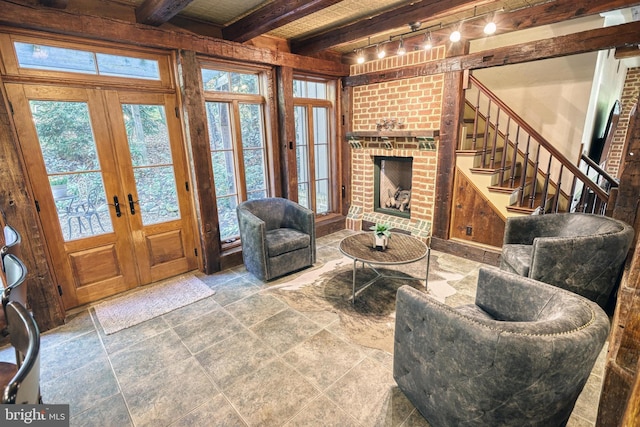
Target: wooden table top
<point>402,249</point>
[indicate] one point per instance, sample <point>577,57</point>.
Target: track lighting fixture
<point>427,44</point>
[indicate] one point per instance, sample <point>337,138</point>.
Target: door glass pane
<point>222,159</point>
<point>253,150</point>
<point>321,156</point>
<point>69,151</point>
<point>55,58</point>
<point>127,66</point>
<point>302,154</point>
<point>150,150</point>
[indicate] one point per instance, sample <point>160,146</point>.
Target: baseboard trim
<point>480,253</point>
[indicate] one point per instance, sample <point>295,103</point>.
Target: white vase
<point>380,241</point>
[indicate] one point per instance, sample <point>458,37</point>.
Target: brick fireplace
<point>414,103</point>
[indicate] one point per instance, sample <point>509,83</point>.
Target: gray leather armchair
<point>278,236</point>
<point>519,356</point>
<point>583,253</point>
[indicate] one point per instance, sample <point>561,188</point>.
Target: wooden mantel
<point>434,133</point>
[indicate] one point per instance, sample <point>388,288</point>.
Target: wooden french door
<point>110,180</point>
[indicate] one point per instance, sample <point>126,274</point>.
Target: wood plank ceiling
<point>312,27</point>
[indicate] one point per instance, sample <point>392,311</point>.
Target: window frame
<point>235,100</point>
<point>12,67</point>
<point>333,149</point>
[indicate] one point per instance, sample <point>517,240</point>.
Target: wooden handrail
<point>541,140</point>
<point>611,180</point>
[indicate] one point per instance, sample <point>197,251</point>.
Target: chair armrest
<point>253,239</point>
<point>302,219</point>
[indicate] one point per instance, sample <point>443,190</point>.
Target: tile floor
<point>241,357</point>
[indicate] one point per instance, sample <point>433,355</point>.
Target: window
<point>312,116</point>
<point>237,137</point>
<point>44,57</point>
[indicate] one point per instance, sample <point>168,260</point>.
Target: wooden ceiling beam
<point>387,20</point>
<point>58,4</point>
<point>542,14</point>
<point>157,12</point>
<point>113,30</point>
<point>271,16</point>
<point>520,19</point>
<point>572,44</point>
<point>627,52</point>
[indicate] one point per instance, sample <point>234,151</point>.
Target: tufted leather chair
<point>519,356</point>
<point>582,253</point>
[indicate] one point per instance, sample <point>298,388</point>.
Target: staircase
<point>517,171</point>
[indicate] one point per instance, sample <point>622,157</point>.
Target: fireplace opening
<point>392,185</point>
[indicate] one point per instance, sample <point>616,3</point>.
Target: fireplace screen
<point>392,192</point>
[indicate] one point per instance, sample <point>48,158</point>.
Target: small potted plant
<point>58,186</point>
<point>381,234</point>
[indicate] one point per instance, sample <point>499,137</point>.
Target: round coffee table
<point>402,249</point>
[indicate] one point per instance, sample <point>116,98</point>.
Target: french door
<point>110,180</point>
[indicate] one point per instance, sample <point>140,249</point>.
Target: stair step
<point>490,171</point>
<point>537,202</point>
<point>506,188</point>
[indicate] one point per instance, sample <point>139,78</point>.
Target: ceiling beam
<point>157,12</point>
<point>271,16</point>
<point>58,4</point>
<point>572,44</point>
<point>117,31</point>
<point>627,52</point>
<point>387,20</point>
<point>520,19</point>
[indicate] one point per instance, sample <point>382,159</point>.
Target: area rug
<point>326,292</point>
<point>151,301</point>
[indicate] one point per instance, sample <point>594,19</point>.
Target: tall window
<point>312,115</point>
<point>235,117</point>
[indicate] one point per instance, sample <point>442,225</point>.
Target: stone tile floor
<point>241,357</point>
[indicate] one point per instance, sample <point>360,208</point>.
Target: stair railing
<point>530,150</point>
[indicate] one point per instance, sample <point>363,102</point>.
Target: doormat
<point>151,301</point>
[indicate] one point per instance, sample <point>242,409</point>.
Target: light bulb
<point>490,28</point>
<point>381,53</point>
<point>360,59</point>
<point>427,42</point>
<point>455,36</point>
<point>401,49</point>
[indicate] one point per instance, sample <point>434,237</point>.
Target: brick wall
<point>629,98</point>
<point>417,103</point>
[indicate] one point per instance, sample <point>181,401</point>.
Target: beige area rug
<point>150,301</point>
<point>371,320</point>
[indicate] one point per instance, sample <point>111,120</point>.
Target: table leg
<point>426,278</point>
<point>353,283</point>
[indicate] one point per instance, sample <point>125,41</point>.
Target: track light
<point>360,57</point>
<point>490,28</point>
<point>381,52</point>
<point>455,36</point>
<point>401,49</point>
